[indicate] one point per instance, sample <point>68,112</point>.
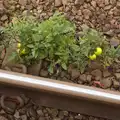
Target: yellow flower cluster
<point>22,52</point>
<point>96,53</point>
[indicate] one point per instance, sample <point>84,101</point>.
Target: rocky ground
<point>28,110</point>
<point>99,14</point>
<point>102,15</point>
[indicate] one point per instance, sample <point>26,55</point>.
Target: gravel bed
<point>30,111</point>
<point>99,14</point>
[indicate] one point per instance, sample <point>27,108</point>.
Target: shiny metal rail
<point>62,95</point>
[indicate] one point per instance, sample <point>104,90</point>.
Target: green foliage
<point>53,40</point>
<point>109,55</point>
<point>88,42</point>
<point>48,40</point>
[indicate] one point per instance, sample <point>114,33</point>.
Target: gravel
<point>101,14</point>
<point>31,111</point>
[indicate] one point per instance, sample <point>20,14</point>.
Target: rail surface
<point>62,95</point>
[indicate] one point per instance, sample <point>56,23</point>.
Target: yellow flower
<point>98,51</point>
<point>19,45</point>
<point>23,52</point>
<point>92,57</point>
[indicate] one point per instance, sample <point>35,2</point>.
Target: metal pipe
<point>59,87</point>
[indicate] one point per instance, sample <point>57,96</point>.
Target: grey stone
<point>107,82</point>
<point>40,112</point>
<point>83,77</point>
<point>63,74</point>
<point>94,65</point>
<point>78,117</point>
<point>116,84</point>
<point>19,68</point>
<point>3,118</point>
<point>117,75</point>
<point>32,112</point>
<point>16,115</point>
<point>26,99</point>
<point>96,73</point>
<point>24,117</point>
<point>35,69</point>
<point>114,42</point>
<point>54,112</point>
<point>44,73</point>
<point>106,73</point>
<point>109,33</point>
<point>2,112</point>
<point>61,115</point>
<point>89,78</point>
<point>65,113</point>
<point>75,74</point>
<point>4,18</point>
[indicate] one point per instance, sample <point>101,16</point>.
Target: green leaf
<point>30,45</point>
<point>50,68</point>
<point>64,66</point>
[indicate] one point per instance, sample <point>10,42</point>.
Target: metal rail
<point>62,95</point>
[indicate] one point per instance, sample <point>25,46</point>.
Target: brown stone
<point>79,2</point>
<point>3,118</point>
<point>35,68</point>
<point>89,78</point>
<point>117,75</point>
<point>75,74</point>
<point>107,82</point>
<point>44,73</point>
<point>23,2</point>
<point>58,3</point>
<point>87,13</point>
<point>106,2</point>
<point>2,8</point>
<point>107,7</point>
<point>114,42</point>
<point>106,73</point>
<point>93,3</point>
<point>96,73</point>
<point>65,2</point>
<point>118,3</point>
<point>79,12</point>
<point>83,78</point>
<point>4,17</point>
<point>116,84</point>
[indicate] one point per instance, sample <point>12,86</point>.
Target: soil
<point>102,15</point>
